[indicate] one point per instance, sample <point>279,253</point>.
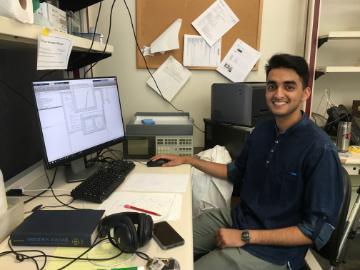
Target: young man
<point>291,185</point>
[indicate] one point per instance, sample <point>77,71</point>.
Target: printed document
<point>239,61</point>
<point>199,54</point>
<point>214,22</point>
<point>53,52</point>
<point>170,77</point>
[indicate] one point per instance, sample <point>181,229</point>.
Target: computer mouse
<point>157,163</point>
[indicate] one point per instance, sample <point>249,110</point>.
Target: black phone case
<point>171,230</point>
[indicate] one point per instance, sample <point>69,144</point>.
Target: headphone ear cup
<point>148,225</point>
<point>125,236</point>
<point>145,229</point>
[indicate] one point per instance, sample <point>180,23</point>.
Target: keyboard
<point>99,186</point>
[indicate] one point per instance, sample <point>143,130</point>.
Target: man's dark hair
<point>294,62</point>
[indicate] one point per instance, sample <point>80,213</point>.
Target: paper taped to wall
<point>21,10</point>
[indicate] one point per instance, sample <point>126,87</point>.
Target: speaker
<point>127,231</point>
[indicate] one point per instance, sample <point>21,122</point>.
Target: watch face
<point>245,236</point>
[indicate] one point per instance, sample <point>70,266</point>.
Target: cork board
<point>155,16</point>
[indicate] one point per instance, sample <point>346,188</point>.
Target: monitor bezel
<point>65,160</point>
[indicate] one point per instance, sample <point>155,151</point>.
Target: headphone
<point>131,230</point>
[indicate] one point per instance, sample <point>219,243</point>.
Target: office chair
<point>333,250</point>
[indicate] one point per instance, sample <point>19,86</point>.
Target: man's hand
<point>174,160</point>
<point>229,238</point>
<point>214,169</point>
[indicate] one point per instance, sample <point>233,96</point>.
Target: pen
<point>141,210</point>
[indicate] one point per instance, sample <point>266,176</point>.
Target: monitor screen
<point>78,117</point>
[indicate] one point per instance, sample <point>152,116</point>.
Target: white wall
<point>338,16</point>
<point>283,27</point>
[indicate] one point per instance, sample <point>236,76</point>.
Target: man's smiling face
<point>285,92</point>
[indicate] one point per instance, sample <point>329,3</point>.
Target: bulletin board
<point>155,16</point>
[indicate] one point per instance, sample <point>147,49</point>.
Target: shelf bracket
<point>318,74</point>
<point>75,5</point>
<point>322,40</point>
<point>81,59</point>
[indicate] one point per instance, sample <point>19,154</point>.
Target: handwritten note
<point>168,205</point>
<point>156,182</point>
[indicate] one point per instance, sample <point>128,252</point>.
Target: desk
<point>351,162</point>
<point>184,226</point>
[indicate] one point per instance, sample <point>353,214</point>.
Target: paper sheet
<point>214,22</point>
<point>198,53</point>
<point>168,205</point>
<point>168,40</point>
<point>239,61</point>
<point>103,250</point>
<point>156,182</point>
<point>171,76</point>
<point>53,52</point>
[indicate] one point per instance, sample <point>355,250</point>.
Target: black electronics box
<point>239,103</point>
<point>232,137</point>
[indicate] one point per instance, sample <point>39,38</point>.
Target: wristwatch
<point>245,236</point>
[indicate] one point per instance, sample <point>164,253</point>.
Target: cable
<point>42,192</point>
<point>148,70</point>
<point>20,256</point>
<point>112,152</point>
<point>96,23</point>
<point>107,38</point>
<point>53,193</point>
<point>142,255</point>
<point>47,196</point>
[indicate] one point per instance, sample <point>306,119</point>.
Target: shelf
<point>14,34</point>
<point>338,35</point>
<point>75,5</point>
<point>335,69</point>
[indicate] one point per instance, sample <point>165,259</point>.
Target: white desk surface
<point>349,158</point>
<point>351,162</point>
<point>183,253</point>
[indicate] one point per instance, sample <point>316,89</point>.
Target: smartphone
<point>166,236</point>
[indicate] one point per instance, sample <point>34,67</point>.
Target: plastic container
<point>3,202</point>
<point>12,217</point>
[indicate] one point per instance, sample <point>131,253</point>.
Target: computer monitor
<point>78,117</point>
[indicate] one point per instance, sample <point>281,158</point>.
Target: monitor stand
<point>78,171</point>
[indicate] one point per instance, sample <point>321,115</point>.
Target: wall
<point>344,87</point>
<point>283,30</point>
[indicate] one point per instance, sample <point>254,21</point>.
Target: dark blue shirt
<point>288,179</point>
